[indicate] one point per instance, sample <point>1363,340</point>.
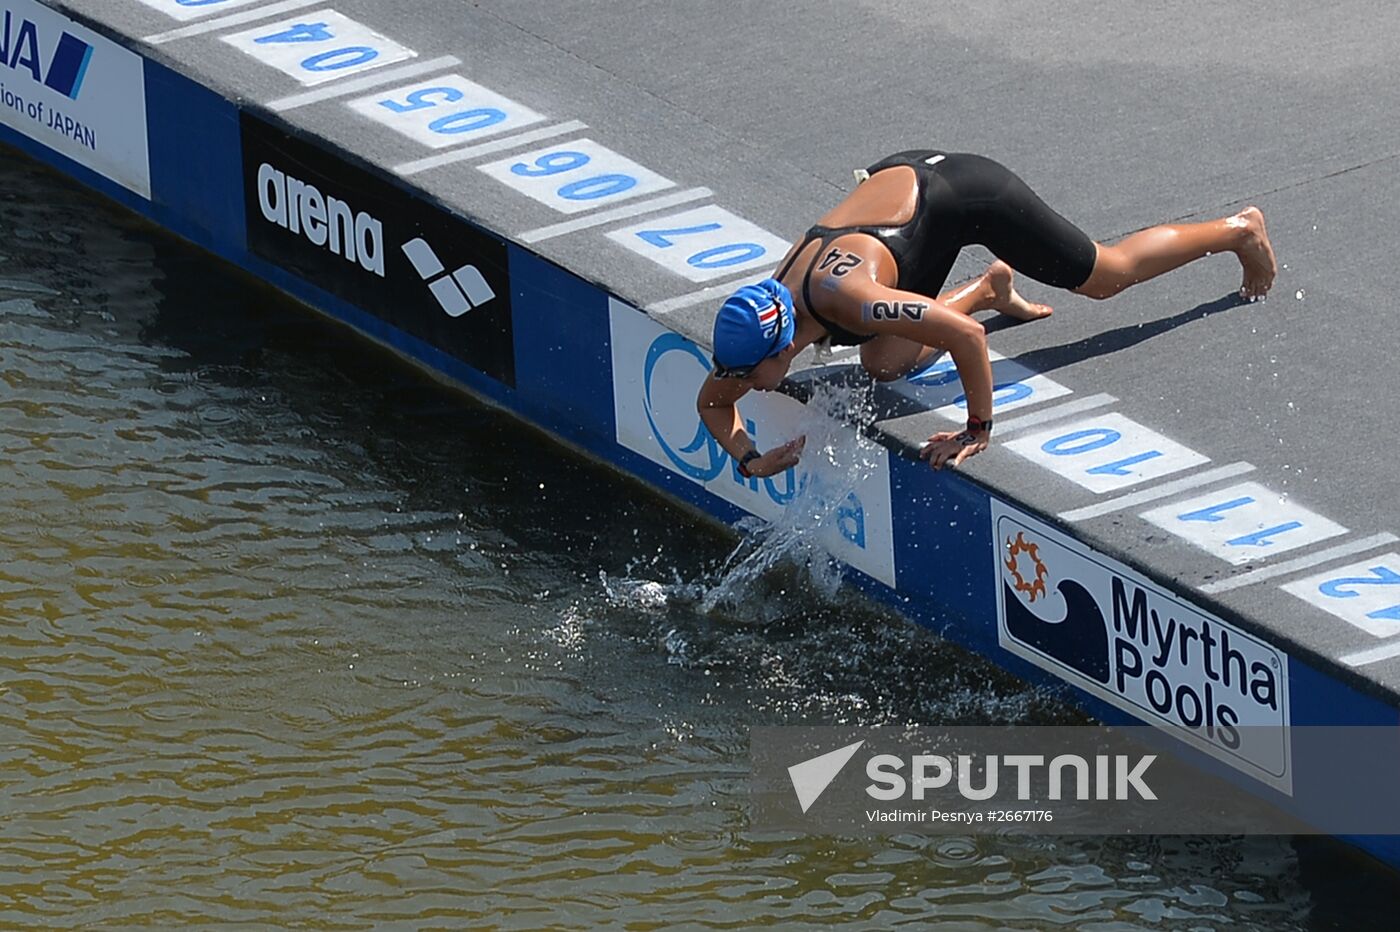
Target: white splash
<point>837,459</point>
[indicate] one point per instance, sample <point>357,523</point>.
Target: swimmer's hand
<point>778,459</point>
<point>950,448</point>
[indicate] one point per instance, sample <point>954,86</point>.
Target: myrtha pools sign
<point>75,92</point>
<point>1091,621</point>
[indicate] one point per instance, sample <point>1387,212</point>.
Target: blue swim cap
<point>756,322</point>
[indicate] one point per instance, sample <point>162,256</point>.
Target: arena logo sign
<point>1120,637</point>
<point>348,232</point>
<point>656,376</point>
<point>326,221</point>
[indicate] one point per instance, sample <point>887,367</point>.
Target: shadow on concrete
<point>1113,341</point>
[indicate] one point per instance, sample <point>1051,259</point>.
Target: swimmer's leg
<point>887,358</point>
<point>1152,252</point>
<point>994,291</point>
<point>1005,215</point>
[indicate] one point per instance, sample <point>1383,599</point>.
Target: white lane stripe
<point>1301,563</point>
<point>621,212</point>
<point>375,79</point>
<point>232,19</point>
<point>1165,490</point>
<point>712,293</point>
<point>488,148</point>
<point>1046,415</point>
<point>1372,654</point>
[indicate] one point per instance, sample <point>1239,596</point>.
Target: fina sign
<point>656,376</point>
<point>1095,623</point>
<point>75,92</point>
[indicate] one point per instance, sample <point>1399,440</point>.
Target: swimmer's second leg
<point>994,290</point>
<point>1161,249</point>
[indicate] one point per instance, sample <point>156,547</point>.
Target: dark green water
<point>291,636</point>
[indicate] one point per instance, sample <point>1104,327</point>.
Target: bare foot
<point>1003,296</point>
<point>1256,254</point>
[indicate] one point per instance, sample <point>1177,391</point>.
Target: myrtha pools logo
<point>1095,623</point>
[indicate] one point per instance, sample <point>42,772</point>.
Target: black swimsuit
<point>962,199</point>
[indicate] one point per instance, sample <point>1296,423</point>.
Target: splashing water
<point>771,623</point>
<point>837,461</point>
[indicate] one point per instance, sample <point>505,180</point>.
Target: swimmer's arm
<point>717,404</point>
<point>718,407</point>
<point>924,320</point>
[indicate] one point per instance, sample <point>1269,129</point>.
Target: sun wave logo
<point>700,458</point>
<point>1078,638</point>
<point>67,67</point>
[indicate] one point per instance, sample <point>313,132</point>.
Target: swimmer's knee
<point>1108,277</point>
<point>883,373</point>
<point>1101,290</point>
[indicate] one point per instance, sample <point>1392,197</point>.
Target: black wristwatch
<point>745,460</point>
<point>975,423</point>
